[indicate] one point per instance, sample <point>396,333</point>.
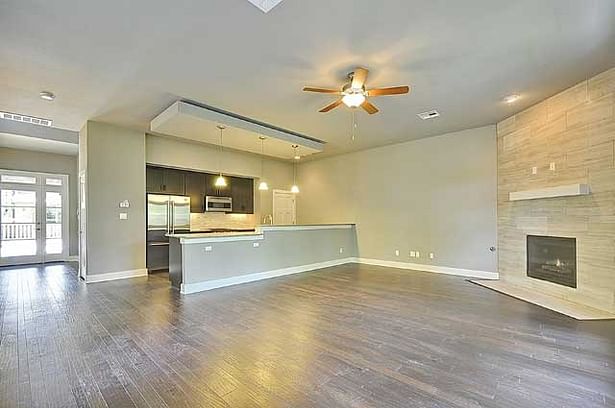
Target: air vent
<point>428,115</point>
<point>265,5</point>
<point>26,119</point>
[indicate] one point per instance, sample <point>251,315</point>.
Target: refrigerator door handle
<point>173,217</point>
<point>168,216</point>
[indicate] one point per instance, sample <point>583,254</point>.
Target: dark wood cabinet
<point>198,185</point>
<point>196,190</point>
<point>174,181</point>
<point>242,193</point>
<point>166,181</point>
<point>154,179</point>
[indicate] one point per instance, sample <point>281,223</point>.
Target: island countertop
<point>205,237</point>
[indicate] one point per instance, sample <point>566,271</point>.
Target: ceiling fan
<point>353,94</point>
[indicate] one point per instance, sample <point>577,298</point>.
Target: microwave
<point>218,204</point>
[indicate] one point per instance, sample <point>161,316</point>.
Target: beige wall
<point>575,130</point>
<point>432,195</point>
<point>115,171</point>
<point>196,156</point>
<point>26,160</point>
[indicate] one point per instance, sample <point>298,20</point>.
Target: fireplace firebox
<point>552,259</point>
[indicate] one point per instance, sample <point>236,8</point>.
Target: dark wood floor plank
<point>347,336</point>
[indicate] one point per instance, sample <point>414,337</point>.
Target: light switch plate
<point>208,248</point>
<point>256,244</point>
<point>123,216</point>
<point>534,170</point>
<point>397,252</point>
<point>412,254</point>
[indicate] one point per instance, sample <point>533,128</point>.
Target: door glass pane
<point>53,181</point>
<point>18,218</point>
<point>6,178</point>
<point>53,222</point>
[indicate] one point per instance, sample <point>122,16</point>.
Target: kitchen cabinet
<point>242,193</point>
<point>196,184</point>
<point>174,181</point>
<point>154,179</point>
<point>167,181</point>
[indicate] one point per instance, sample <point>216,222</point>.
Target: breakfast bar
<point>199,262</point>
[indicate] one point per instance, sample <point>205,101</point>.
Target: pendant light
<point>295,187</point>
<point>262,186</point>
<point>220,181</point>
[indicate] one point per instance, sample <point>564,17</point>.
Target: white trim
<point>187,288</point>
<point>430,268</point>
<point>102,277</point>
<point>304,227</point>
<point>198,239</point>
<point>72,258</point>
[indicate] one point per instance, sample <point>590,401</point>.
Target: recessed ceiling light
<point>48,96</point>
<point>428,115</point>
<point>512,98</point>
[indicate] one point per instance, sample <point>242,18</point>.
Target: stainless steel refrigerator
<point>166,214</point>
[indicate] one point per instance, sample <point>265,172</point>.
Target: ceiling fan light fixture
<point>353,99</point>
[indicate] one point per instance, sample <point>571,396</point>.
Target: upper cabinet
<point>242,193</point>
<point>154,180</point>
<point>197,185</point>
<point>174,181</point>
<point>196,189</point>
<point>167,181</point>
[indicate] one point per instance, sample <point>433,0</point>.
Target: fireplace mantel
<point>550,192</point>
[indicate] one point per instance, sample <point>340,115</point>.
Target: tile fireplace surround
<point>569,138</point>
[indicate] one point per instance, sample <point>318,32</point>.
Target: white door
<point>284,207</point>
<point>33,217</point>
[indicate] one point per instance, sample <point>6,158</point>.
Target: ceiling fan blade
<point>321,90</point>
<point>359,77</point>
<point>394,90</point>
<point>369,107</point>
<point>330,106</point>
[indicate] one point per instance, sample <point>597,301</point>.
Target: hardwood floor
<point>347,336</point>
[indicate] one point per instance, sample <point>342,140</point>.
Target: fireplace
<point>553,259</point>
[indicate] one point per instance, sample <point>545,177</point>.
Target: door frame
<point>285,192</point>
<point>40,187</point>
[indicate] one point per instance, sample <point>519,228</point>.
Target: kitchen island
<point>199,262</point>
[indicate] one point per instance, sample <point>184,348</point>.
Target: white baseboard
<point>430,268</point>
<point>72,258</point>
<point>187,288</point>
<point>102,277</point>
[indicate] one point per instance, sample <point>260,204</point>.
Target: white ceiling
<point>124,62</point>
<point>38,144</point>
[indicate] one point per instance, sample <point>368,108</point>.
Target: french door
<point>33,217</point>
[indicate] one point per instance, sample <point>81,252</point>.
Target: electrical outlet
<point>418,254</point>
<point>552,166</point>
<point>397,252</point>
<point>341,250</point>
<point>534,170</point>
<point>412,254</point>
<point>208,248</point>
<point>256,244</point>
<point>431,255</point>
<point>123,216</point>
